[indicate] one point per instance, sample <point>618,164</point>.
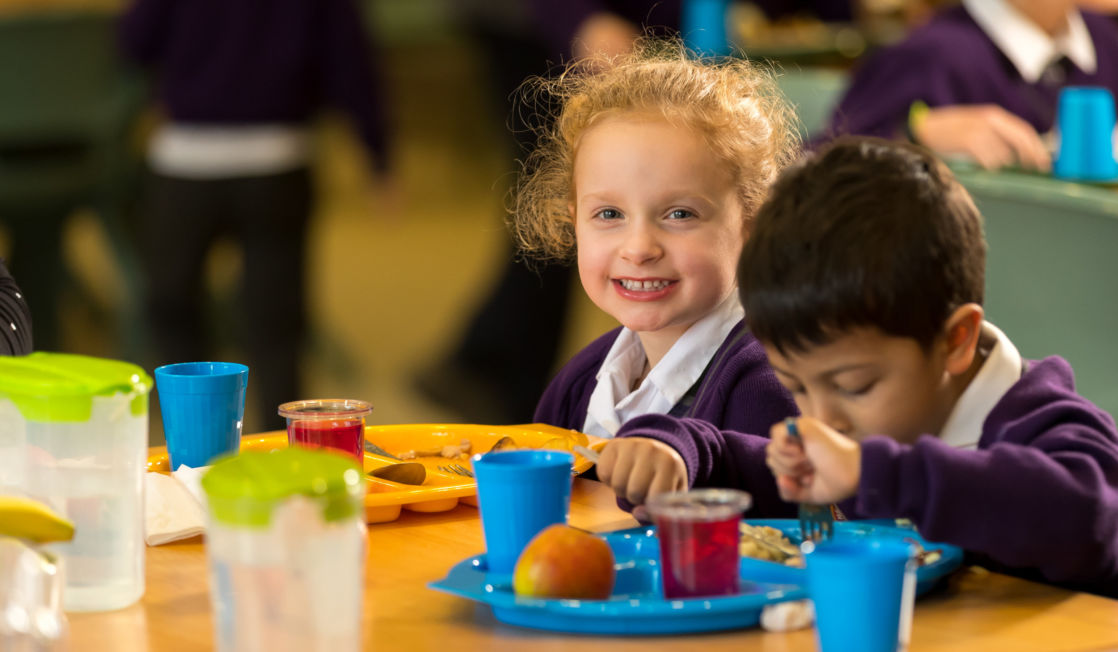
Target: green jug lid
<point>244,488</point>
<point>49,387</point>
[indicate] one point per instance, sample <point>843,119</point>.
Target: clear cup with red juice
<point>698,533</point>
<point>327,423</point>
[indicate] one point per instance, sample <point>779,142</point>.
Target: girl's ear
<point>963,329</point>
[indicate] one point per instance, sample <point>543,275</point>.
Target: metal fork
<point>457,469</point>
<point>817,523</point>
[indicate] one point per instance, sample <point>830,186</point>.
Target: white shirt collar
<point>1030,48</point>
<point>613,403</point>
<point>1001,370</point>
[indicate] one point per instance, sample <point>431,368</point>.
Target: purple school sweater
<point>1039,497</point>
<point>951,61</point>
<point>244,62</point>
<point>739,392</point>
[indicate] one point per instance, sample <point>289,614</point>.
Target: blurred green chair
<point>67,109</point>
<point>1049,271</point>
<point>814,92</point>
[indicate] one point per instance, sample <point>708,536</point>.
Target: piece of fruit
<point>24,518</point>
<point>564,562</point>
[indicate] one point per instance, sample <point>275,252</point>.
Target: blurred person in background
<point>982,80</point>
<point>240,84</point>
<point>15,316</point>
<point>499,367</point>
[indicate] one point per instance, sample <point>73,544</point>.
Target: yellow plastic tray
<point>441,491</point>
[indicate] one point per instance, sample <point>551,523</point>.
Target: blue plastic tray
<point>637,605</point>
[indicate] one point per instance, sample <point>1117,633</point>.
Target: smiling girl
<point>650,180</point>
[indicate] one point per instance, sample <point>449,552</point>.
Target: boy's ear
<point>963,329</point>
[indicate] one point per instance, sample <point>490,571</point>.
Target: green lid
<point>244,489</point>
<point>49,387</point>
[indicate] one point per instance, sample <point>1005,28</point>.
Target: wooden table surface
<point>976,610</point>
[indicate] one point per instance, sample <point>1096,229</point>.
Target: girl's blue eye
<point>609,214</point>
<point>681,214</point>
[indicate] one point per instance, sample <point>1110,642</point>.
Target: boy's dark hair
<point>865,233</point>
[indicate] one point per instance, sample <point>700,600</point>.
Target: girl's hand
<point>638,468</point>
<point>825,468</point>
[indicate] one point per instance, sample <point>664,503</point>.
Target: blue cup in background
<point>858,588</point>
<point>1085,123</point>
<point>703,27</point>
<point>203,406</point>
<point>519,493</point>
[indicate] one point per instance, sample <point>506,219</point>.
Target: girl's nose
<point>641,245</point>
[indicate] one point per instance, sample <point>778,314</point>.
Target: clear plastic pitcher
<point>74,434</point>
<point>286,545</point>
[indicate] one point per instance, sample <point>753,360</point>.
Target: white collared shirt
<point>613,403</point>
<point>1029,47</point>
<point>1003,367</point>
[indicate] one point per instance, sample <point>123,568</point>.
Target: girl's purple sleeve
<point>717,458</point>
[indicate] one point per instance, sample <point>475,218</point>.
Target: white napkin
<point>173,508</point>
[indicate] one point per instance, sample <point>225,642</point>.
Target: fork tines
<point>457,469</point>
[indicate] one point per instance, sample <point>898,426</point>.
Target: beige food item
<point>787,616</point>
<point>749,547</point>
<point>450,451</point>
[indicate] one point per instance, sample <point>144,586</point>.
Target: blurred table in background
<point>976,610</point>
<point>1050,268</point>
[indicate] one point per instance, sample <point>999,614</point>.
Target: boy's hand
<point>638,468</point>
<point>824,469</point>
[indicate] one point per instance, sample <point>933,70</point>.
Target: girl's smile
<point>644,289</point>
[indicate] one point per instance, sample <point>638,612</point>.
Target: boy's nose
<point>829,412</point>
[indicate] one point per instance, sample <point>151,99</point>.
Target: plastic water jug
<point>74,434</point>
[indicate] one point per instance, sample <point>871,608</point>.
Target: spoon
<point>403,473</point>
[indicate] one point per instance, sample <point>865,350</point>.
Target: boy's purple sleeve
<point>1049,504</point>
<point>717,458</point>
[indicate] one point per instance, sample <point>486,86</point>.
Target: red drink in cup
<point>698,532</point>
<point>327,423</point>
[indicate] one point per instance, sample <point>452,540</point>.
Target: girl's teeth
<point>643,285</point>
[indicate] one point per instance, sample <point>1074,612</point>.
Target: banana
<point>24,518</point>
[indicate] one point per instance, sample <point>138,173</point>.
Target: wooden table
<point>976,610</point>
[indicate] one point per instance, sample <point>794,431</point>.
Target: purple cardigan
<point>739,392</point>
<point>1039,497</point>
<point>950,61</point>
<point>259,61</point>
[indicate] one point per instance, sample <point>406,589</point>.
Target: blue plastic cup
<point>857,586</point>
<point>1085,120</point>
<point>519,493</point>
<point>203,406</point>
<point>703,27</point>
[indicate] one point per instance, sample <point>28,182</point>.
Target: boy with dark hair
<point>863,280</point>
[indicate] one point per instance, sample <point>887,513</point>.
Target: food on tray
<point>924,556</point>
<point>769,544</point>
<point>565,562</point>
<point>450,451</point>
<point>504,443</point>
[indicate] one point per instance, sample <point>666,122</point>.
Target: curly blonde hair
<point>733,103</point>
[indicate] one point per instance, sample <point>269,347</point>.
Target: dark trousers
<point>268,217</point>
